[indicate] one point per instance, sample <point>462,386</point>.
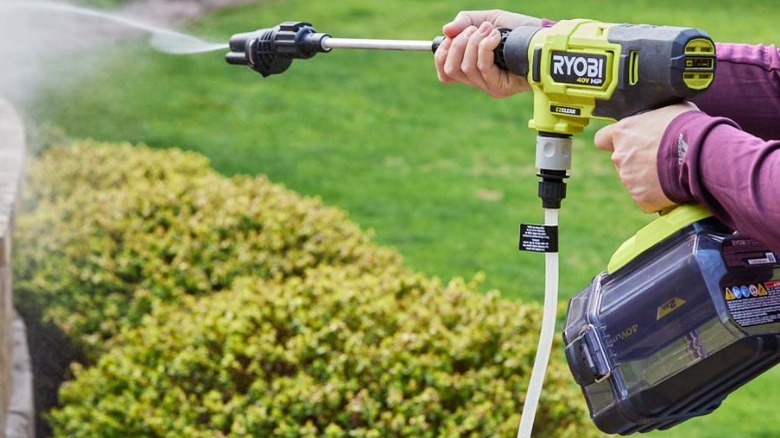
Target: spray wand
<point>271,51</point>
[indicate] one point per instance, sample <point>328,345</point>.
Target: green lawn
<point>444,173</point>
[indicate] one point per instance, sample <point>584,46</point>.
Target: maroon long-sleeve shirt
<point>727,156</point>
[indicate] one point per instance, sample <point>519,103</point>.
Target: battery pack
<point>675,325</point>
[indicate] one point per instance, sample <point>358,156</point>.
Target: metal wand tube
<point>357,43</point>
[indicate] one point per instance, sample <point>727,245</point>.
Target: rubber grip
<point>499,52</point>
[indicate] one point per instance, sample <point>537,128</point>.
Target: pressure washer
<point>687,310</point>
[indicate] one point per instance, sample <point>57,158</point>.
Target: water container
<point>686,313</point>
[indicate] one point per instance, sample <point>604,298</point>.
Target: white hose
<point>545,337</point>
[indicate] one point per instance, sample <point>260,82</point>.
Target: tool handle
<point>271,51</point>
<point>499,51</point>
<point>512,51</point>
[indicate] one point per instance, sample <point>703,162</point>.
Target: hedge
<point>111,229</point>
<point>217,306</point>
<point>387,354</point>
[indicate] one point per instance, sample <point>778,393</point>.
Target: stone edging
<point>20,420</point>
<point>18,411</point>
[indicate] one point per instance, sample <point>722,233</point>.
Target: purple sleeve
<point>711,161</point>
<point>746,88</point>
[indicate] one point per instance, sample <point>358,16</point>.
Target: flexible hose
<point>545,337</point>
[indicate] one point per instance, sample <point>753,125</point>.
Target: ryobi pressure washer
<point>687,311</point>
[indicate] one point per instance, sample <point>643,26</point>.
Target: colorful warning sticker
<point>754,304</point>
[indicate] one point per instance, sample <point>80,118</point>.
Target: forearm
<point>746,88</point>
<point>734,174</point>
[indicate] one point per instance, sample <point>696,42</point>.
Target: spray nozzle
<point>271,51</point>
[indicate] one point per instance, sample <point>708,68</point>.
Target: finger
<point>462,21</point>
<point>454,61</point>
<point>603,138</point>
<point>486,60</point>
<point>471,56</point>
<point>497,17</point>
<point>439,58</point>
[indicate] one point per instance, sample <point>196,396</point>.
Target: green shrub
<point>112,229</point>
<point>62,171</point>
<point>335,353</point>
<point>217,306</point>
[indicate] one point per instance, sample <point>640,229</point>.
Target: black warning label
<point>566,110</point>
<point>538,238</point>
<point>754,304</point>
<point>744,252</point>
<point>699,63</point>
<point>578,68</point>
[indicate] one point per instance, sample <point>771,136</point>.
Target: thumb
<point>603,138</point>
<point>461,21</point>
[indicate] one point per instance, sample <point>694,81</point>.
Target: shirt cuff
<point>678,155</point>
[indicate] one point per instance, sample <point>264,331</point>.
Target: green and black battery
<point>686,313</point>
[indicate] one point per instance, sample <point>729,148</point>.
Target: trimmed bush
<point>62,171</point>
<point>111,229</point>
<point>216,306</point>
<point>335,353</point>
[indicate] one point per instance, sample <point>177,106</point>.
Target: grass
<point>444,173</point>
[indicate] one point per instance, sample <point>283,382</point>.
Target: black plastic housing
<point>271,51</point>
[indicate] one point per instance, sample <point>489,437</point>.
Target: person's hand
<point>466,54</point>
<point>634,143</point>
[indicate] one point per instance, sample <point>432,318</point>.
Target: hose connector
<point>553,159</point>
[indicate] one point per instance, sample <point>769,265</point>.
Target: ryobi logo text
<point>579,69</point>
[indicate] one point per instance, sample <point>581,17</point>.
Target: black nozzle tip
<point>236,58</point>
<point>270,51</point>
<point>239,40</point>
<point>237,44</point>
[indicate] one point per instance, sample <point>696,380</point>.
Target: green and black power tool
<point>687,311</point>
<point>579,70</point>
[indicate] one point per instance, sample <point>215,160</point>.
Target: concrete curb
<point>18,409</point>
<point>20,422</point>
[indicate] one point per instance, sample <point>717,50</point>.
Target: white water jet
<point>165,40</point>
